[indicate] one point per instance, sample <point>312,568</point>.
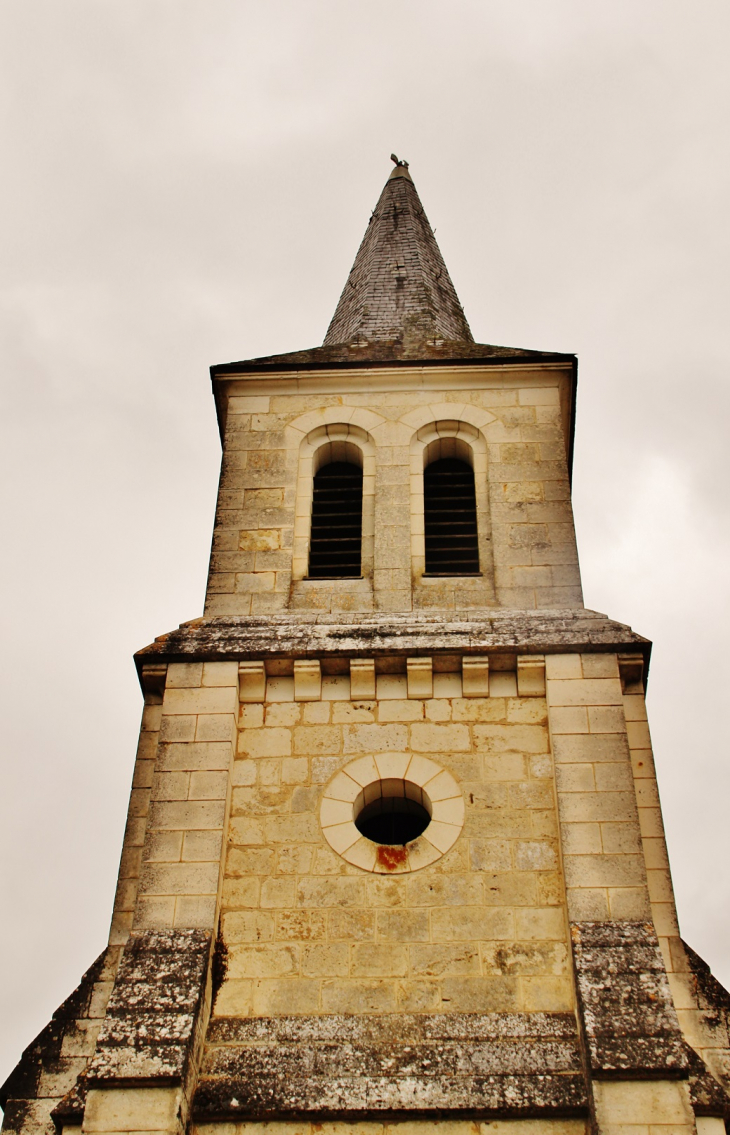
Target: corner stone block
<point>420,677</point>
<point>251,681</point>
<point>475,677</point>
<point>307,680</point>
<point>531,676</point>
<point>362,679</point>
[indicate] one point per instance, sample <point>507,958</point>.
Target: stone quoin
<point>395,854</point>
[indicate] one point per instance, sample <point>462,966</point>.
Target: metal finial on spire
<point>399,161</point>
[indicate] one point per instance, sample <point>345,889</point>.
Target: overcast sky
<point>186,184</point>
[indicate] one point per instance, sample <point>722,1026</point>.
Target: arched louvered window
<point>335,547</point>
<point>450,518</point>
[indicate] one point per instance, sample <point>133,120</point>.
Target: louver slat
<point>335,547</point>
<point>450,516</point>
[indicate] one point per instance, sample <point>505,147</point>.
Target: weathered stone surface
<point>707,1095</point>
<point>307,634</point>
<point>149,1030</point>
<point>401,1029</point>
<point>28,1107</point>
<point>391,1096</point>
<point>628,1016</point>
<point>427,1064</point>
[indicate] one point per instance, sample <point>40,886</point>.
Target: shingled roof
<point>399,304</point>
<point>399,287</point>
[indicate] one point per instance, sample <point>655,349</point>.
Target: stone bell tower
<point>395,852</point>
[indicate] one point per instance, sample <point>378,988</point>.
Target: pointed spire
<point>399,289</point>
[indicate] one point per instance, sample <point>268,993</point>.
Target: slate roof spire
<point>399,290</point>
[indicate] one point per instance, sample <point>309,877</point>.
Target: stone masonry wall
<point>412,1127</point>
<point>262,521</point>
<point>483,928</point>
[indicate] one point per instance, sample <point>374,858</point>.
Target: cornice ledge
<point>223,638</point>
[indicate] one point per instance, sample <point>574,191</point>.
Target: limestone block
<point>220,673</point>
<point>633,903</point>
<point>351,925</point>
<point>430,738</point>
<point>258,743</point>
<point>182,675</point>
<point>470,924</point>
<point>371,960</point>
<point>654,1102</point>
<point>606,719</point>
<point>195,912</point>
<point>216,726</point>
<point>132,1109</point>
<point>540,924</point>
<point>201,846</point>
<point>194,756</point>
<point>710,1125</point>
<point>203,700</point>
<point>307,680</point>
<point>420,677</point>
<point>475,677</point>
<point>531,675</point>
<point>563,665</point>
<point>317,740</point>
<point>568,719</point>
<point>376,738</point>
<point>276,997</point>
<point>325,960</point>
<point>353,996</point>
<point>587,692</point>
<point>180,878</point>
<point>208,786</point>
<point>403,925</point>
<point>251,681</point>
<point>397,710</point>
<point>481,994</point>
<point>604,870</point>
<point>185,815</point>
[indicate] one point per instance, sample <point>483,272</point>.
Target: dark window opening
<point>450,518</point>
<point>335,547</point>
<point>399,815</point>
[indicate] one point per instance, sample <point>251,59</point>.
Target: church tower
<point>395,855</point>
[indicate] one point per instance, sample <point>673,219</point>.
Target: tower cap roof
<point>399,305</point>
<point>399,290</point>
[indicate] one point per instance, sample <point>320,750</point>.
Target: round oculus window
<point>392,812</point>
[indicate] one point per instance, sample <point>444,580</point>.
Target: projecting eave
<point>303,634</point>
<point>388,353</point>
<point>316,369</point>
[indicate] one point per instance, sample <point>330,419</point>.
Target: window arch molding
<point>338,441</point>
<point>449,438</point>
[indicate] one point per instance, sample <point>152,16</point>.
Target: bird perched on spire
<point>399,161</point>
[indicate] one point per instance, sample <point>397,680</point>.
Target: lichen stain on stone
<point>391,858</point>
<point>219,966</point>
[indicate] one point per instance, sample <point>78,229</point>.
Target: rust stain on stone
<point>391,857</point>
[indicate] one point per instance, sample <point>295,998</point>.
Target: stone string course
<point>405,1064</point>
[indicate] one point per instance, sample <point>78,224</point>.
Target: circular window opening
<point>392,812</point>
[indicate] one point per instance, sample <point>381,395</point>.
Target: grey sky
<point>187,183</point>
